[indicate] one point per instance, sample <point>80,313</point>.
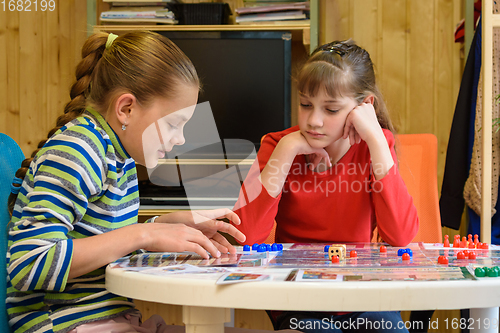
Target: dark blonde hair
<point>143,63</point>
<point>343,68</point>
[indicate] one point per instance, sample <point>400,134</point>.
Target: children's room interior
<point>247,69</point>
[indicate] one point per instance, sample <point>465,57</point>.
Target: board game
<point>362,262</point>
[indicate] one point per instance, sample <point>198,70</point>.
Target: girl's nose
<point>315,119</point>
<point>178,138</point>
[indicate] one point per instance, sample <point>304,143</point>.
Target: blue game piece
<point>268,247</point>
<point>401,251</point>
<point>327,248</point>
<point>409,251</point>
<point>280,247</point>
<point>246,248</point>
<point>255,246</point>
<point>261,248</point>
<point>274,247</point>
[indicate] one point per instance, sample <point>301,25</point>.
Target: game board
<point>311,262</point>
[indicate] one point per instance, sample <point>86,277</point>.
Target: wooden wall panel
<point>39,52</point>
<point>417,63</point>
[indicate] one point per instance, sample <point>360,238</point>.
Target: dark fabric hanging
<point>459,151</point>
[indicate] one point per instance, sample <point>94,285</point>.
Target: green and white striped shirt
<point>81,183</point>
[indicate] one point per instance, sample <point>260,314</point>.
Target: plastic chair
<point>11,157</point>
<point>417,154</point>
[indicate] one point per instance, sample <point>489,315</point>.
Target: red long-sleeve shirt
<point>342,204</point>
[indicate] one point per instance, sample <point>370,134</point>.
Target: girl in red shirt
<point>334,177</point>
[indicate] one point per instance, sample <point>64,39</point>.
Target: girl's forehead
<point>333,94</point>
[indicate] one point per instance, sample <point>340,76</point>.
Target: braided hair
<point>142,63</point>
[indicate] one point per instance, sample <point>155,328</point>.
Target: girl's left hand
<point>362,124</point>
<point>209,223</point>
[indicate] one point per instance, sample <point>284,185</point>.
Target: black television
<point>246,78</point>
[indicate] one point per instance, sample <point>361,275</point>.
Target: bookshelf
<point>306,33</point>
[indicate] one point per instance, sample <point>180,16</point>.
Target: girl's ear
<point>123,107</point>
<point>370,99</point>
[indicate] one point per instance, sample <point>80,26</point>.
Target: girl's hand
<point>298,143</point>
<point>209,224</point>
<point>177,237</point>
<point>362,124</point>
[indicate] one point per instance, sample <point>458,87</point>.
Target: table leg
<point>205,320</point>
<point>485,320</point>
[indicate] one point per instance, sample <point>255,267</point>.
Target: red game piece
<point>446,241</point>
<point>472,255</point>
<point>466,254</point>
<point>472,245</point>
<point>485,246</point>
<point>443,260</point>
<point>353,254</point>
<point>476,239</point>
<point>405,256</point>
<point>383,249</point>
<point>463,243</point>
<point>456,241</point>
<point>335,259</point>
<point>460,255</point>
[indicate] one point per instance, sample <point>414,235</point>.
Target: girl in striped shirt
<point>76,210</point>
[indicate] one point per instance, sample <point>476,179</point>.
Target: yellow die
<point>337,250</point>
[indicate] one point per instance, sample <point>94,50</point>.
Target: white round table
<point>206,305</point>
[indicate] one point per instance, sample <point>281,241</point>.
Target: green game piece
<point>479,271</point>
<point>493,273</point>
<point>496,268</point>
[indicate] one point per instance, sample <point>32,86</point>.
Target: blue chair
<point>11,157</point>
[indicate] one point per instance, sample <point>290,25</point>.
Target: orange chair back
<point>417,156</point>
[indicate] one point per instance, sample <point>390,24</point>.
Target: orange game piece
<point>405,256</point>
<point>335,259</point>
<point>383,249</point>
<point>353,254</point>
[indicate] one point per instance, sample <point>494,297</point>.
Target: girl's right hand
<point>298,143</point>
<point>177,237</point>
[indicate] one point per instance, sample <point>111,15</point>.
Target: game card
<point>175,269</point>
<point>237,277</point>
<point>318,275</point>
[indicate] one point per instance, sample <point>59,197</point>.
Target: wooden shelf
<point>300,32</point>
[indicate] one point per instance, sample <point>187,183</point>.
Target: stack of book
<point>134,12</point>
<point>273,12</point>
